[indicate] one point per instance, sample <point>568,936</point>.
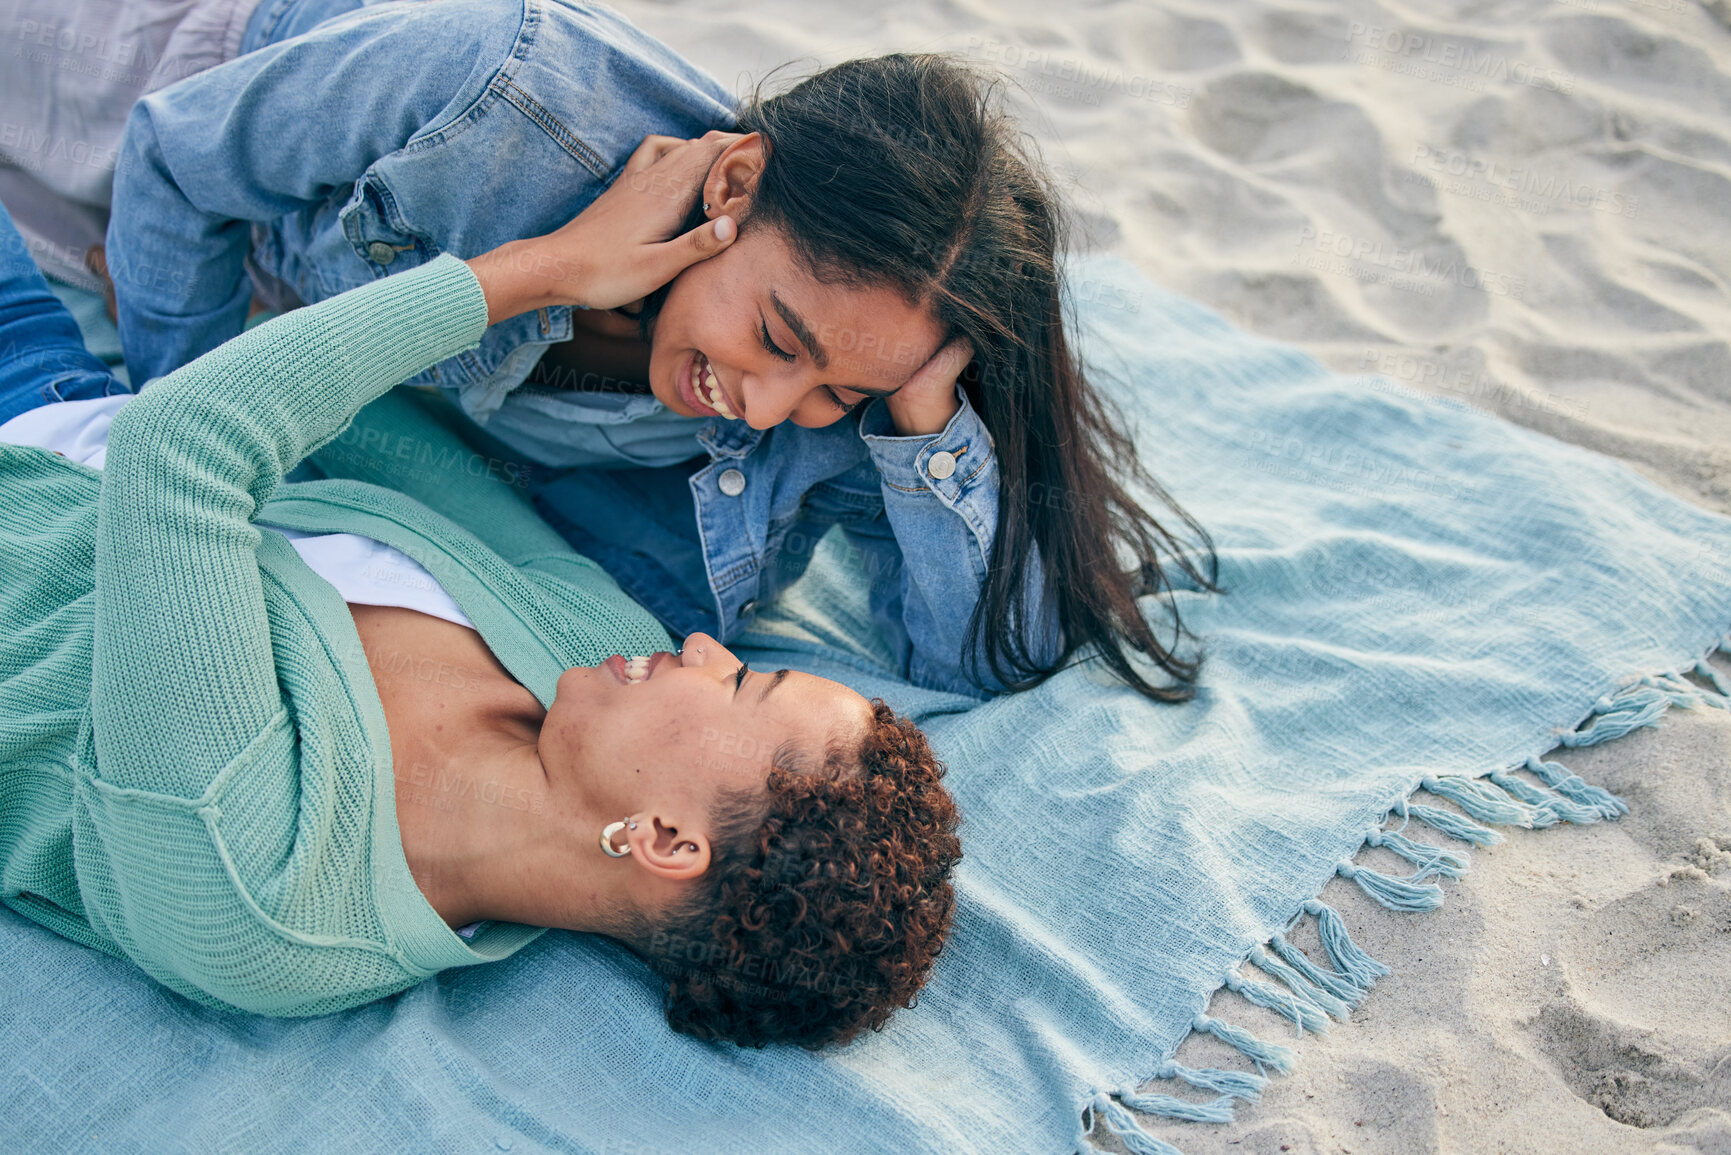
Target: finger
<point>959,349</point>
<point>683,169</point>
<point>675,256</point>
<point>946,364</point>
<point>691,156</point>
<point>651,150</point>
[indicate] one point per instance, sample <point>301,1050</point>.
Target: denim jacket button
<point>941,464</point>
<point>749,608</point>
<point>381,253</point>
<point>732,482</point>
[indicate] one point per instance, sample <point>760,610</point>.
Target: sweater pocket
<point>149,879</point>
<point>159,880</point>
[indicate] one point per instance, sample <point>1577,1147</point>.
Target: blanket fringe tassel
<point>1102,1109</point>
<point>1306,994</point>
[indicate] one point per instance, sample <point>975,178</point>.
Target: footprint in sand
<point>1645,1058</point>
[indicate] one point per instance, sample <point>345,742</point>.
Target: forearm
<point>265,136</point>
<point>183,674</point>
<point>292,384</point>
<point>941,495</point>
<point>519,277</point>
<point>411,440</point>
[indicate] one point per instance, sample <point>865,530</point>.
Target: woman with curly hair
<point>883,351</point>
<point>274,741</point>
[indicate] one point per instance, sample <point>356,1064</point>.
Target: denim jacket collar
<point>732,439</point>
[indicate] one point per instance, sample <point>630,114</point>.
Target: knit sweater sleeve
<point>183,674</point>
<point>412,442</point>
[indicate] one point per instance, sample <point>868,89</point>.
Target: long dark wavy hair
<point>904,171</point>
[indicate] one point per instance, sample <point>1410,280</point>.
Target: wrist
<point>518,278</point>
<point>926,419</point>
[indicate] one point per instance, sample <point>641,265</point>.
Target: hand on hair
<point>622,247</point>
<point>927,402</point>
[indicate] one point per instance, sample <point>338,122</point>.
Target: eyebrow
<point>801,330</point>
<point>818,354</point>
<point>780,675</point>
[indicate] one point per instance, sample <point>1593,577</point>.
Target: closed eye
<point>777,351</point>
<point>739,678</point>
<point>844,406</point>
<point>769,343</point>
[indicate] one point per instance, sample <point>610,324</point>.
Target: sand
<point>1525,206</point>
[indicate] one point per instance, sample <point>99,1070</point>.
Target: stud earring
<point>705,206</point>
<point>607,833</point>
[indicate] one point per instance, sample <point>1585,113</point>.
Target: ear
<point>664,849</point>
<point>732,179</point>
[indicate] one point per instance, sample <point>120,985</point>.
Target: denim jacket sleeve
<point>934,552</point>
<point>265,135</point>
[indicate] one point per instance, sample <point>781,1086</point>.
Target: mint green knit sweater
<point>195,771</point>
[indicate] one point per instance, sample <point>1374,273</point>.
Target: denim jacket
<point>400,130</point>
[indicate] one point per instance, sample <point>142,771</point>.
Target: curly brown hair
<point>826,901</point>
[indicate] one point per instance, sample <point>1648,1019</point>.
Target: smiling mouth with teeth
<point>708,389</point>
<point>636,669</point>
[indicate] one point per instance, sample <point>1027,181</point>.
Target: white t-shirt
<point>364,571</point>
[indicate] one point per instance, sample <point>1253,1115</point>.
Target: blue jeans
<point>42,353</point>
<point>275,20</point>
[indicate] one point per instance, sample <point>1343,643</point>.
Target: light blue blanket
<point>1418,594</point>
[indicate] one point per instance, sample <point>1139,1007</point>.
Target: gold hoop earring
<point>607,833</point>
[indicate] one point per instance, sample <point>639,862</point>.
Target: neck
<point>605,354</point>
<point>504,840</point>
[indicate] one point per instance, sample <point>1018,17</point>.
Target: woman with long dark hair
<point>291,748</point>
<point>882,349</point>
